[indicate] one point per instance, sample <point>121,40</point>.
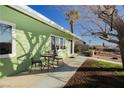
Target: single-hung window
<point>61,43</point>
<point>7,39</point>
<point>57,42</point>
<point>64,43</point>
<point>52,42</point>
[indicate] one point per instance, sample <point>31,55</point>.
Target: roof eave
<point>27,10</point>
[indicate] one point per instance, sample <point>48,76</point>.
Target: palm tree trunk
<point>72,26</point>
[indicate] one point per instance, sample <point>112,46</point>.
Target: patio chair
<point>34,62</point>
<point>56,57</point>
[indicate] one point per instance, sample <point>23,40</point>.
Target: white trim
<point>58,37</point>
<point>70,46</point>
<point>13,40</point>
<point>67,47</point>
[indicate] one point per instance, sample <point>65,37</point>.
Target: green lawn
<point>103,64</point>
<point>97,74</point>
<point>106,64</point>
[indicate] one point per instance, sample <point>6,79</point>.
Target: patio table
<point>48,57</point>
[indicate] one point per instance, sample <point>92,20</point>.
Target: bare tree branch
<point>109,40</point>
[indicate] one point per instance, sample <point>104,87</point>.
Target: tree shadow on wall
<point>6,67</point>
<point>36,43</point>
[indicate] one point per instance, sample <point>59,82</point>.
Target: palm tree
<point>72,16</point>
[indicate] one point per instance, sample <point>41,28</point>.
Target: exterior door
<point>71,50</point>
<point>70,46</point>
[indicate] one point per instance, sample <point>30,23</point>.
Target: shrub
<point>79,48</point>
<point>88,53</point>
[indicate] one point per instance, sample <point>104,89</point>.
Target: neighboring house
<point>24,34</point>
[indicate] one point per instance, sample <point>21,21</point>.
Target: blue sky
<point>59,17</point>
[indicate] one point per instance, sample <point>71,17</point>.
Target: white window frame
<point>13,40</point>
<point>59,39</point>
<point>62,43</point>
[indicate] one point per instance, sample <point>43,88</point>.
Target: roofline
<point>32,13</point>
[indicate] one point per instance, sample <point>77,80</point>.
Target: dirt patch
<point>91,76</point>
<point>108,56</point>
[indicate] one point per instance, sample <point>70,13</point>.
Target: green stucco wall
<point>32,39</point>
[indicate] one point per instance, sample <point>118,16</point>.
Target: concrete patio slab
<point>54,79</point>
<point>60,76</point>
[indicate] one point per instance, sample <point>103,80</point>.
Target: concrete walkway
<point>60,76</point>
<point>54,79</point>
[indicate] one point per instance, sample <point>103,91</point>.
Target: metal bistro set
<point>48,60</point>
